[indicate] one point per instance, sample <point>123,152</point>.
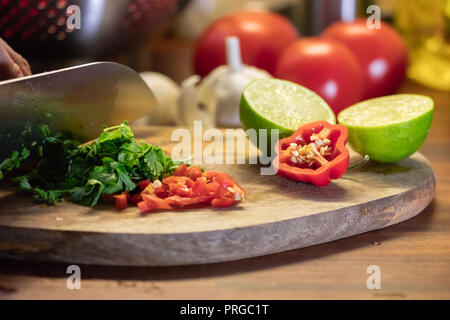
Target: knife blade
<point>80,100</point>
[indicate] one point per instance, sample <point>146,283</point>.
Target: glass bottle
<point>425,25</point>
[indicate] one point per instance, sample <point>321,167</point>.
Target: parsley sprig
<point>62,168</point>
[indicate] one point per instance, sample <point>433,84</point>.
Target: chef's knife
<point>79,100</point>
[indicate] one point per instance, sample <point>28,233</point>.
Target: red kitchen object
<point>189,186</point>
<point>262,35</point>
<point>121,201</point>
<point>381,53</point>
<point>315,153</point>
<point>326,67</point>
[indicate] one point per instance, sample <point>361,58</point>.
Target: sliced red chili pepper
<point>180,189</point>
<point>194,172</point>
<point>161,191</point>
<point>143,184</point>
<point>181,170</point>
<point>146,206</point>
<point>190,186</point>
<point>178,180</point>
<point>178,201</point>
<point>205,188</point>
<point>225,181</point>
<point>121,201</point>
<point>315,153</point>
<point>136,198</point>
<point>222,202</point>
<point>156,202</point>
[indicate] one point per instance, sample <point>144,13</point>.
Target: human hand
<point>12,64</point>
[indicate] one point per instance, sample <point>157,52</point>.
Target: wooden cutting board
<point>279,215</point>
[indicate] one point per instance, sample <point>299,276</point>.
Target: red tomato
<point>326,67</point>
<point>263,36</point>
<point>381,53</point>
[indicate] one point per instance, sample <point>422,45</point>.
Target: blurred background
<point>161,35</point>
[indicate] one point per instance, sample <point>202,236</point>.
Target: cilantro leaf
<point>114,163</point>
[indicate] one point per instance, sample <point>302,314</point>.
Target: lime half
<point>389,128</point>
<point>283,105</point>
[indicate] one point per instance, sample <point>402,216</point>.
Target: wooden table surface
<point>413,256</point>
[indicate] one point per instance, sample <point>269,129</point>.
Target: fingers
<point>8,68</point>
<point>12,64</point>
<point>17,58</point>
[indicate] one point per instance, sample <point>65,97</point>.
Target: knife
<point>79,100</point>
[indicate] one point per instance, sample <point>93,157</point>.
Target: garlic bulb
<point>166,92</point>
<point>215,98</point>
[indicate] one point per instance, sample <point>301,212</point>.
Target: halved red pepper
<point>315,153</point>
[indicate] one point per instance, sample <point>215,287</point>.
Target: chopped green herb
<point>114,163</point>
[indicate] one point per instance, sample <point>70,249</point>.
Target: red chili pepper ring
<point>315,153</point>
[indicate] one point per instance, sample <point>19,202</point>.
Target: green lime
<point>389,128</point>
<point>283,105</point>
